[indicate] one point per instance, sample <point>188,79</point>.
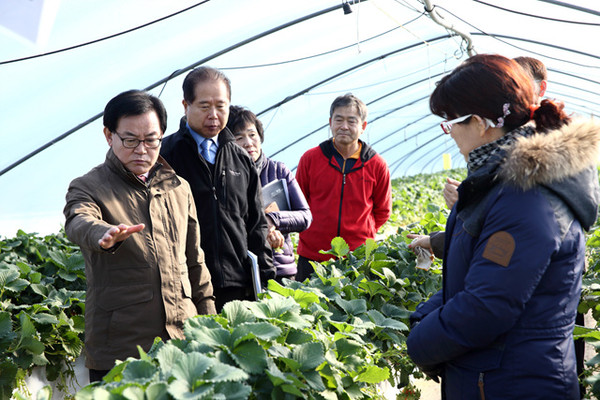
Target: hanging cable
<point>289,98</point>
<point>104,38</point>
<point>341,73</point>
<point>571,6</point>
<point>497,36</point>
<point>174,74</point>
<point>537,16</point>
<point>318,54</point>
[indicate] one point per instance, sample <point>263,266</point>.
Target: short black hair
<point>131,103</point>
<point>202,74</point>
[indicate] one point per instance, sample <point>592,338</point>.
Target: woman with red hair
<point>501,327</point>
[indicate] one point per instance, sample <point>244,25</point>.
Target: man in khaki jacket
<point>135,221</point>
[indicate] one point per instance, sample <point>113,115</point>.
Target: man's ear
<point>108,136</point>
<point>543,85</point>
<point>364,125</point>
<point>185,105</point>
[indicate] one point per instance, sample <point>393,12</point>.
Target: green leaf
<point>373,288</point>
<point>157,391</point>
<point>44,318</point>
<point>191,367</point>
<point>370,246</point>
<point>314,380</point>
<point>197,329</point>
<point>309,355</point>
<point>373,374</point>
<point>276,377</point>
<point>382,322</point>
<point>40,289</point>
<point>5,324</point>
<point>346,347</point>
<point>250,356</point>
<point>115,373</point>
<point>292,389</point>
<point>394,311</point>
<point>236,313</point>
<point>261,330</point>
<point>168,356</point>
<point>339,247</point>
<point>274,307</point>
<point>233,390</point>
<point>584,332</point>
<point>221,372</point>
<point>132,392</point>
<point>296,336</point>
<point>297,321</point>
<point>353,307</point>
<point>139,371</point>
<point>35,277</point>
<point>181,391</point>
<point>8,376</point>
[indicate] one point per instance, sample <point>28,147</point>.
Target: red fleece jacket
<point>352,204</point>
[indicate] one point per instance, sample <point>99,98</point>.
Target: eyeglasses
<point>132,143</point>
<point>447,125</point>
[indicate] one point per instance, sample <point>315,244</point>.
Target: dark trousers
<point>304,269</point>
<point>96,375</point>
<point>226,294</point>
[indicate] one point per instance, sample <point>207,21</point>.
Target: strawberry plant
<point>42,292</point>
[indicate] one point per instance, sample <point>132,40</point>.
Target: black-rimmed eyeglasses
<point>132,143</point>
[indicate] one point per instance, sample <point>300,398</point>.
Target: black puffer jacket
<point>229,206</point>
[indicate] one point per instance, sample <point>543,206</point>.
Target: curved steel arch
<point>171,76</point>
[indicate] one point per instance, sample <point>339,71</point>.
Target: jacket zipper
<point>480,384</point>
<point>339,227</point>
<point>224,186</point>
<point>215,212</point>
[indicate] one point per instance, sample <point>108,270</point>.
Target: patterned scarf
<point>479,156</point>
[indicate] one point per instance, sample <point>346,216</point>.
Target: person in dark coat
<point>249,134</point>
<point>514,248</point>
<point>225,185</point>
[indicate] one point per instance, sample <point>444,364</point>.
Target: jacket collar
<point>225,135</point>
<point>161,171</point>
<point>366,152</point>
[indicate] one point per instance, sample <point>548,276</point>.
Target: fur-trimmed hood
<point>563,160</point>
<point>553,156</point>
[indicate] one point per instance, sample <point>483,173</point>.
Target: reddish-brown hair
<point>483,83</point>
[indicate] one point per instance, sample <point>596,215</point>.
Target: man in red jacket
<point>346,183</point>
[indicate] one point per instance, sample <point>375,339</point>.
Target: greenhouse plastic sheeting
<point>62,60</point>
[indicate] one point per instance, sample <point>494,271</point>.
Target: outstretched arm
<point>117,234</point>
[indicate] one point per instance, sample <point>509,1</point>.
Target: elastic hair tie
<point>505,112</point>
<point>532,109</point>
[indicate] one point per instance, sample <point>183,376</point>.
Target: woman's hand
<point>419,241</point>
<point>275,238</point>
<point>450,192</point>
